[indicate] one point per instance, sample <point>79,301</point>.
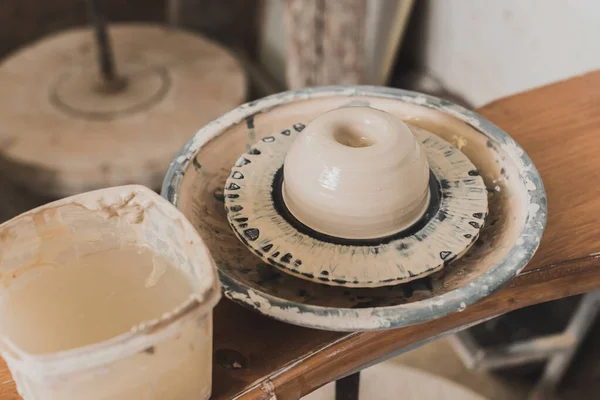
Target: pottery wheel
<point>451,223</point>
<point>64,131</point>
<point>513,227</point>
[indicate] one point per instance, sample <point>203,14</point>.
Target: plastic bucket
<point>107,295</point>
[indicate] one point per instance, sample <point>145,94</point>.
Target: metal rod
<point>517,353</point>
<point>347,387</point>
<point>103,43</point>
<point>173,13</point>
<point>527,351</point>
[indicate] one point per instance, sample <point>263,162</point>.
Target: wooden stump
<point>65,131</point>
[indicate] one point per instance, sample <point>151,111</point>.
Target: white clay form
<point>356,173</point>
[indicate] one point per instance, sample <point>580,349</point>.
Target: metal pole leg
<point>347,387</point>
<point>112,82</point>
<point>578,327</point>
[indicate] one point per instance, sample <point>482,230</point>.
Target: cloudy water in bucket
<point>54,307</point>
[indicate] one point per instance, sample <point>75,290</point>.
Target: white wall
<point>484,49</point>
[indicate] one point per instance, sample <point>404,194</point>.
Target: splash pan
<point>514,225</point>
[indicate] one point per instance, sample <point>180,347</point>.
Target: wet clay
<point>358,173</point>
<point>95,298</point>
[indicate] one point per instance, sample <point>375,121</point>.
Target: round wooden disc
<point>64,131</point>
<point>257,214</point>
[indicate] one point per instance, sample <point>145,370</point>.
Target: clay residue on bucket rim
<point>53,231</point>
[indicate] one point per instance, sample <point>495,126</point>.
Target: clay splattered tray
<point>516,220</point>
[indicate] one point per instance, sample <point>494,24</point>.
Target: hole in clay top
<point>350,136</point>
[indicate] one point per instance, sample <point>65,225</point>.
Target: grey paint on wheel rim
<point>349,319</point>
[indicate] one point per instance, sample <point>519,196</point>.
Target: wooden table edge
<point>310,372</point>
